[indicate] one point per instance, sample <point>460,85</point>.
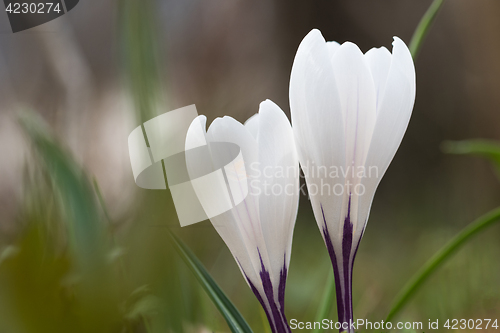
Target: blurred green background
<point>83,249</point>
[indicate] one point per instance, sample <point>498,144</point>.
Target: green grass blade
<point>140,55</point>
<point>233,317</point>
<point>75,192</point>
<point>479,147</point>
<point>440,257</point>
<point>325,306</point>
<point>102,203</point>
<point>487,148</point>
<point>423,27</point>
<point>265,322</point>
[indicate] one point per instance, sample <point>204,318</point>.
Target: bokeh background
<point>99,71</point>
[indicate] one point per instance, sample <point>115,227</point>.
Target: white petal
<point>258,232</point>
<point>240,227</point>
<point>228,129</point>
<point>317,122</point>
<point>252,125</point>
<point>332,48</point>
<point>279,172</point>
<point>394,113</point>
<point>357,97</point>
<point>197,131</point>
<point>379,61</point>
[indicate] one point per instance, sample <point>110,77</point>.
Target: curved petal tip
<point>398,44</point>
<point>401,52</point>
<point>203,120</point>
<point>267,103</point>
<point>314,35</point>
<point>351,47</point>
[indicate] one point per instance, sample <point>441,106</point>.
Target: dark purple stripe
<point>280,322</point>
<point>346,258</point>
<point>344,298</point>
<point>282,285</point>
<point>352,263</point>
<point>275,316</point>
<point>257,294</point>
<point>261,301</point>
<point>333,258</point>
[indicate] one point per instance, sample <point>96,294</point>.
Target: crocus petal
<point>244,218</point>
<point>258,231</point>
<point>238,226</point>
<point>365,111</point>
<point>332,48</point>
<point>379,61</point>
<point>252,125</point>
<point>357,99</point>
<point>315,101</point>
<point>279,182</point>
<point>317,123</point>
<point>278,201</point>
<point>394,111</point>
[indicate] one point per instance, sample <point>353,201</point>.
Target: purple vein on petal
<point>280,321</point>
<point>262,303</point>
<point>259,297</point>
<point>276,317</point>
<point>333,258</point>
<point>282,285</point>
<point>346,256</point>
<point>354,257</point>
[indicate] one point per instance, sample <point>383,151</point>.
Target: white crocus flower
<point>349,113</point>
<point>258,230</point>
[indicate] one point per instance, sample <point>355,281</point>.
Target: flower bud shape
<point>264,185</point>
<point>349,113</point>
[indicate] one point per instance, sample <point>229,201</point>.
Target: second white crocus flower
<point>258,230</point>
<point>349,113</point>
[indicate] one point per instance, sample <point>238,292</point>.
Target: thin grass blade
<point>86,229</point>
<point>423,27</point>
<point>233,317</point>
<point>479,147</point>
<point>325,306</point>
<point>140,54</point>
<point>440,257</point>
